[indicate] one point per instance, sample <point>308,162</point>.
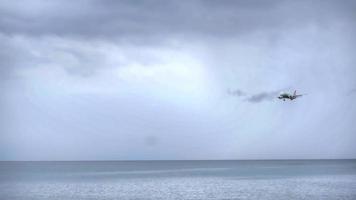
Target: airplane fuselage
<point>285,96</point>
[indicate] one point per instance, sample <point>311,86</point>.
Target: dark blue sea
<point>124,180</point>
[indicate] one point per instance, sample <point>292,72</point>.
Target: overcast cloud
<point>105,80</point>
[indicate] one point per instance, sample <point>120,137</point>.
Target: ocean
<point>126,180</point>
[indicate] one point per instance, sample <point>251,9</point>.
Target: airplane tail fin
<point>295,93</point>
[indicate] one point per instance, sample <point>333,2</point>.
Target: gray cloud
<point>263,96</point>
<point>145,19</point>
<point>257,97</point>
<point>352,91</point>
<point>150,23</point>
<point>147,79</point>
<point>236,92</point>
<point>12,56</point>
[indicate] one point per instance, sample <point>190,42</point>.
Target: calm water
<point>275,180</point>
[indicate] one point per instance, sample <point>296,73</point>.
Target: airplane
<point>285,95</point>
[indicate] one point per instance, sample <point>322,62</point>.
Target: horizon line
<point>168,160</point>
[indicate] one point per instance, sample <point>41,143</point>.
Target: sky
<point>167,80</point>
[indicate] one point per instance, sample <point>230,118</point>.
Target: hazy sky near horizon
<point>107,80</point>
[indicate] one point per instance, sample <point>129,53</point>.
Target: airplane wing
<point>299,95</point>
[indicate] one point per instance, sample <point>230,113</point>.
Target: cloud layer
<point>148,79</point>
<point>255,98</point>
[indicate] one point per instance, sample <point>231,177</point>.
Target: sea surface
<point>123,180</point>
